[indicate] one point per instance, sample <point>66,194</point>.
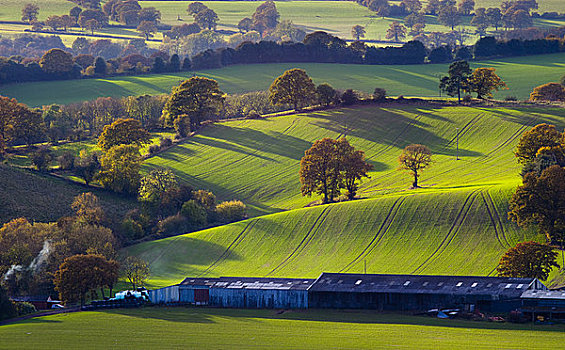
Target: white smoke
<point>35,265</point>
<point>40,259</point>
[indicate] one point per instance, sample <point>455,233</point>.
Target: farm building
<point>353,291</point>
<point>237,292</point>
<point>419,292</point>
<point>547,303</point>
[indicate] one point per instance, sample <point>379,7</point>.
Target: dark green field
<point>521,74</point>
<point>200,328</point>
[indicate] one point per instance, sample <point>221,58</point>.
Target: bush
<point>194,213</point>
<point>66,161</point>
<point>42,158</point>
<point>24,308</point>
<point>175,224</point>
<point>154,149</point>
<point>230,211</point>
<point>132,229</point>
<point>349,97</point>
<point>7,309</point>
<point>379,94</point>
<point>467,98</point>
<point>182,125</point>
<point>165,142</point>
<point>252,114</point>
<point>206,199</point>
<point>510,98</point>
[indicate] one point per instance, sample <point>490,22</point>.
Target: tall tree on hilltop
<point>484,81</point>
<point>123,132</point>
<point>320,170</point>
<point>358,32</point>
<point>414,159</point>
<point>457,79</point>
<point>294,87</point>
<point>396,31</point>
<point>353,165</point>
<point>30,12</point>
<point>197,97</point>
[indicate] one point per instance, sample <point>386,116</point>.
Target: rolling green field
<point>522,74</point>
<point>456,224</point>
<point>160,328</point>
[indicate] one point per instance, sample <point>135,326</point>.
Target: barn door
<point>201,296</point>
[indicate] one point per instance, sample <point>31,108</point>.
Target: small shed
<point>419,292</point>
<point>547,303</point>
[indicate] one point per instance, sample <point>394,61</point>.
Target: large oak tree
<point>294,87</point>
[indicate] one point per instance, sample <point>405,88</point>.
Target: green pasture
<point>224,155</point>
<point>455,224</point>
<point>202,328</point>
<point>11,10</point>
<point>460,232</point>
<point>521,74</point>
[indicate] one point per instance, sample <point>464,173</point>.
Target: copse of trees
<point>482,81</point>
<point>331,165</point>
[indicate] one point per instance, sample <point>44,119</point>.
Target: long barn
<point>353,291</point>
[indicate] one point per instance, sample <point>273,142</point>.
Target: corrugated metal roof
<point>544,294</point>
<point>507,287</point>
<point>251,283</point>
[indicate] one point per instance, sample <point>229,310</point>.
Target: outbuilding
<point>237,292</point>
<point>419,292</point>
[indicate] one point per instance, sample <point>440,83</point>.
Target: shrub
<point>252,114</point>
<point>548,92</point>
<point>510,98</point>
<point>379,94</point>
<point>231,211</point>
<point>24,308</point>
<point>154,149</point>
<point>42,158</point>
<point>174,224</point>
<point>132,229</point>
<point>205,198</point>
<point>349,97</point>
<point>66,161</point>
<point>7,309</point>
<point>467,98</point>
<point>182,125</point>
<point>165,142</point>
<point>194,212</point>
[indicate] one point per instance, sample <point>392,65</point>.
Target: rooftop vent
<point>358,282</point>
<point>508,285</point>
<point>425,283</point>
<point>440,284</point>
<point>305,282</point>
<point>459,284</point>
<point>519,286</point>
<point>406,283</point>
<point>474,285</point>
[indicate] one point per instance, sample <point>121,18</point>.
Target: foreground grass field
<point>190,328</point>
<point>521,74</point>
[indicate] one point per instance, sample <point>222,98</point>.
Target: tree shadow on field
<point>530,116</point>
<point>273,142</point>
<point>389,128</point>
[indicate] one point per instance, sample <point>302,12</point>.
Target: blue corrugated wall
<point>259,298</point>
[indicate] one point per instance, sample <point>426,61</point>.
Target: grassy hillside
<point>462,233</point>
<point>455,224</point>
<point>45,198</point>
<point>158,328</point>
<point>522,74</point>
<point>223,156</point>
